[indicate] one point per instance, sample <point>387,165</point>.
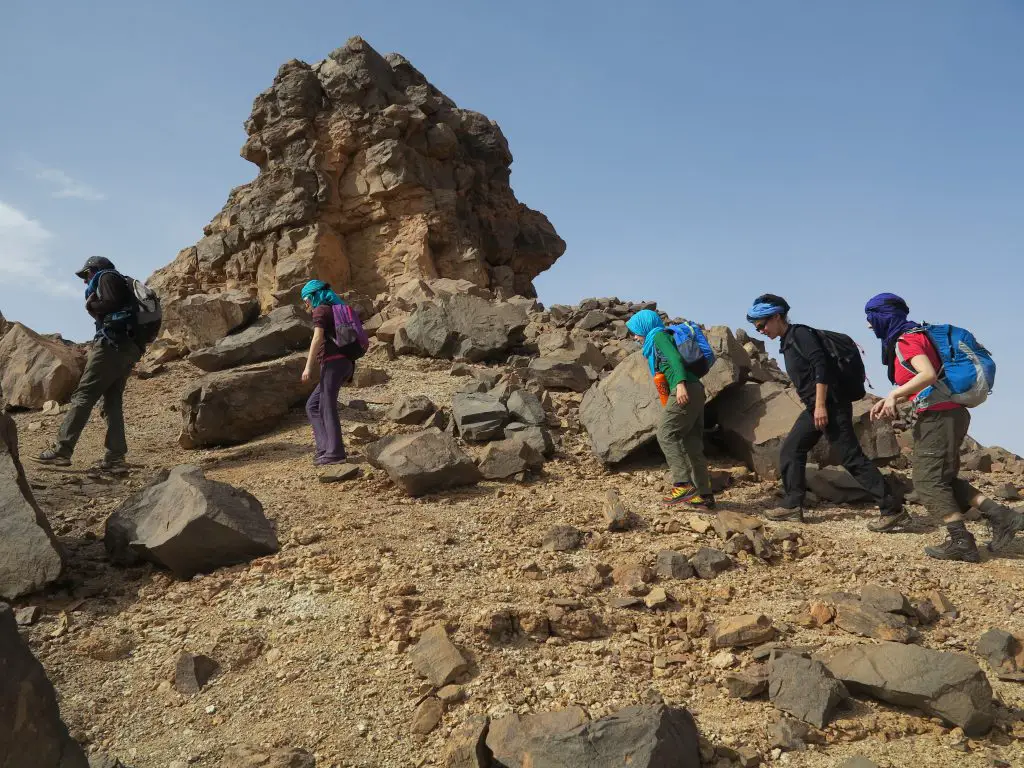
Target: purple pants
<point>322,410</point>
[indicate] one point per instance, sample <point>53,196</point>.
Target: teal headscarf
<point>318,292</point>
<point>646,323</point>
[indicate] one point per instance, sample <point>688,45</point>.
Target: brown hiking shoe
<point>785,514</point>
<point>52,457</point>
<point>891,523</point>
<point>962,547</point>
<point>1004,524</point>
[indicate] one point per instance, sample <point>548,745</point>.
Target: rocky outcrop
<point>369,177</point>
<point>32,733</point>
<point>188,524</point>
<point>34,369</point>
<point>283,330</point>
<point>30,557</point>
<point>234,406</point>
<point>464,327</point>
<point>195,321</point>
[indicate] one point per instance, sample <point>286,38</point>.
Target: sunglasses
<point>760,325</point>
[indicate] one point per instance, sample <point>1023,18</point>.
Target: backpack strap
<point>904,363</point>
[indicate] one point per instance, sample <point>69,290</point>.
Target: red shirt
<point>910,346</point>
<point>323,317</point>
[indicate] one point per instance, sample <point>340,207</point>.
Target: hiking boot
<point>699,500</point>
<point>109,464</point>
<point>1004,524</point>
<point>785,514</point>
<point>961,546</point>
<point>679,494</point>
<point>53,457</point>
<point>891,523</point>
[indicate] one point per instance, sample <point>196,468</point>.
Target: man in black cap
<point>109,299</point>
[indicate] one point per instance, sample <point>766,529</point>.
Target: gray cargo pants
<point>106,374</point>
<point>938,436</point>
<point>681,437</point>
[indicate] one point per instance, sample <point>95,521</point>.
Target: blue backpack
<point>693,346</point>
<point>968,371</point>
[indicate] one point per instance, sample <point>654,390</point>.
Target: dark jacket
<point>806,362</point>
<point>111,295</point>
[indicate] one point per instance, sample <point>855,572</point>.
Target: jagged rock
<point>284,330</point>
<point>193,672</point>
<point>30,557</point>
<point>552,373</point>
<point>949,686</point>
<point>509,737</point>
<point>560,345</point>
<point>189,524</point>
<point>708,562</point>
<point>31,731</point>
<point>478,416</point>
<point>368,376</point>
<point>747,683</point>
<point>427,715</point>
<point>537,437</point>
<point>425,462</point>
<point>436,657</point>
<point>505,458</point>
<point>621,413</point>
<point>35,369</point>
<point>860,618</point>
<point>525,407</point>
<point>616,515</point>
<point>977,461</point>
<point>338,473</point>
<point>732,363</point>
<point>742,631</point>
<point>804,688</point>
<point>230,407</point>
<point>1004,653</point>
<point>729,523</point>
<point>672,565</point>
<point>414,409</point>
<point>562,538</point>
<point>593,320</point>
<point>467,746</point>
<point>466,328</point>
<point>199,320</point>
<point>789,734</point>
<point>646,736</point>
<point>885,599</point>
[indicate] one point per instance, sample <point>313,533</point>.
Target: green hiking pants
<point>681,437</point>
<point>106,374</point>
<point>938,436</point>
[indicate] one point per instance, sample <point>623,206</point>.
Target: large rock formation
<point>369,177</point>
<point>30,557</point>
<point>31,731</point>
<point>34,369</point>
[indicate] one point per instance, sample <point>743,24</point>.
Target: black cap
<point>98,263</point>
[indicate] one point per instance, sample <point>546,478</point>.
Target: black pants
<point>804,436</point>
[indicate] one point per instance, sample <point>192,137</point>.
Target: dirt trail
<point>312,639</point>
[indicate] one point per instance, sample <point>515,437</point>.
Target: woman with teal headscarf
<point>681,430</point>
<point>335,370</point>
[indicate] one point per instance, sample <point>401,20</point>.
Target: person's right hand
<point>306,374</point>
<point>682,396</point>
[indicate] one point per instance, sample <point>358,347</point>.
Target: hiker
<point>331,318</point>
<point>914,366</point>
<point>117,346</point>
<point>681,431</point>
<point>828,402</point>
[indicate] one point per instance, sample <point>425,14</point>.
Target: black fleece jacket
<point>806,362</point>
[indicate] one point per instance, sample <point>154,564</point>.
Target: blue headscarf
<point>318,292</point>
<point>767,305</point>
<point>887,314</point>
<point>646,323</point>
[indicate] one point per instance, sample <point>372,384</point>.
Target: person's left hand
<point>820,418</point>
<point>682,396</point>
<point>306,374</point>
<point>884,409</point>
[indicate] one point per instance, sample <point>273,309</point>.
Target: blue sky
<point>698,153</point>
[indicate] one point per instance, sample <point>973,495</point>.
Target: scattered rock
<point>451,694</point>
<point>977,461</point>
<point>885,599</point>
<point>30,556</point>
<point>27,616</point>
<point>1007,492</point>
<point>858,761</point>
<point>193,672</point>
<point>835,485</point>
<point>742,631</point>
<point>276,334</point>
<point>478,416</point>
<point>562,538</point>
<point>789,734</point>
<point>942,604</point>
<point>338,473</point>
<point>537,438</point>
<point>728,523</point>
<point>467,746</point>
<point>189,524</point>
<point>616,515</point>
<point>259,757</point>
<point>505,458</point>
<point>747,683</point>
<point>673,565</point>
<point>436,657</point>
<point>526,408</point>
<point>552,373</point>
<point>368,376</point>
<point>708,562</point>
<point>1004,653</point>
<point>414,409</point>
<point>427,716</point>
<point>950,686</point>
<point>426,462</point>
<point>860,618</point>
<point>804,688</point>
<point>465,327</point>
<point>28,707</point>
<point>656,598</point>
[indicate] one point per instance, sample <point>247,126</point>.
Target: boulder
<point>505,458</point>
<point>560,345</point>
<point>284,330</point>
<point>862,618</point>
<point>877,438</point>
<point>804,688</point>
<point>425,462</point>
<point>509,737</point>
<point>742,631</point>
<point>949,686</point>
<point>30,557</point>
<point>754,420</point>
<point>192,672</point>
<point>525,407</point>
<point>708,562</point>
<point>886,599</point>
<point>670,564</point>
<point>189,524</point>
<point>537,437</point>
<point>467,745</point>
<point>200,320</point>
<point>621,413</point>
<point>414,409</point>
<point>562,538</point>
<point>593,320</point>
<point>747,683</point>
<point>31,731</point>
<point>835,485</point>
<point>466,328</point>
<point>552,373</point>
<point>234,406</point>
<point>436,657</point>
<point>478,416</point>
<point>1004,653</point>
<point>368,376</point>
<point>34,369</point>
<point>732,363</point>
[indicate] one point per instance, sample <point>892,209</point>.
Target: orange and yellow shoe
<point>707,501</point>
<point>680,494</point>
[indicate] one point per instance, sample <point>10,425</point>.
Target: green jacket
<point>669,362</point>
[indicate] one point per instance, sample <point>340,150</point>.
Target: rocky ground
<point>313,642</point>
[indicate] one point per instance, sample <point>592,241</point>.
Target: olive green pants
<point>681,437</point>
<point>938,436</point>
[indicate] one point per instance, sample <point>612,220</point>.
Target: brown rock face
<point>369,177</point>
<point>34,369</point>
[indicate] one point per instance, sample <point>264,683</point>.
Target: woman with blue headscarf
<point>939,432</point>
<point>335,370</point>
<point>681,430</point>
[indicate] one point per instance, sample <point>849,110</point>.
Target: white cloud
<point>24,254</point>
<point>65,186</point>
